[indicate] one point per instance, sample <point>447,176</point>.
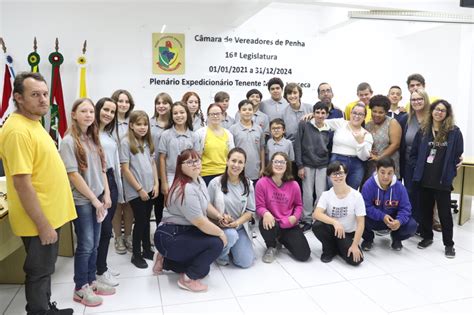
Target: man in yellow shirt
<point>39,196</point>
<point>364,93</point>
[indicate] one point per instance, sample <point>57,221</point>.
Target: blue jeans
<point>355,169</point>
<point>88,234</point>
<point>186,249</point>
<point>239,246</point>
<point>404,232</point>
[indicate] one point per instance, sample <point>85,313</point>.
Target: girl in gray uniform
<point>140,182</point>
<point>177,138</point>
<point>85,165</point>
<point>105,115</point>
<point>159,122</point>
<point>192,100</point>
<point>233,195</point>
<point>187,241</point>
<point>125,105</point>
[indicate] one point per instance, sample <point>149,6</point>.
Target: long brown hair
<point>165,97</point>
<point>446,126</point>
<point>180,179</point>
<point>92,133</point>
<point>134,142</point>
<point>116,95</point>
<point>243,179</point>
<point>288,175</point>
<point>198,113</point>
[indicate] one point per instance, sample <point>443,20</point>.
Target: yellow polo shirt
<point>26,148</point>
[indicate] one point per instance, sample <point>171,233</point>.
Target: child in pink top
<point>278,201</point>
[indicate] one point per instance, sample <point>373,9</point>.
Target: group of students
<point>275,159</point>
<point>216,176</point>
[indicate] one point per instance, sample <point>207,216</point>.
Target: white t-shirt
<point>343,210</point>
<point>344,142</point>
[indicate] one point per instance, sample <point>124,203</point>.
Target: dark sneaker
<point>424,243</point>
<point>139,262</point>
<point>449,252</point>
<point>397,245</point>
<point>148,254</point>
<point>54,310</point>
<point>326,257</point>
<point>305,227</point>
<point>367,245</point>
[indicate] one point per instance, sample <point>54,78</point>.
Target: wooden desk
<point>464,186</point>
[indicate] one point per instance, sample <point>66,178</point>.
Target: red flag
<point>7,91</point>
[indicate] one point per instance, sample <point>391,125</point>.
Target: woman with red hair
<point>187,241</point>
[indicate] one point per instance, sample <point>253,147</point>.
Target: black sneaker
<point>397,245</point>
<point>53,310</point>
<point>367,245</point>
<point>305,227</point>
<point>148,254</point>
<point>424,243</point>
<point>326,257</point>
<point>449,252</point>
<point>139,262</point>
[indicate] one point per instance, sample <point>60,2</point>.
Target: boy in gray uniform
<point>250,137</point>
<point>278,143</point>
<point>276,104</point>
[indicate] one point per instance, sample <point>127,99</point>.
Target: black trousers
<point>333,245</point>
<point>428,196</point>
<point>39,266</point>
<point>293,239</point>
<point>141,229</point>
<point>106,228</point>
<point>158,205</point>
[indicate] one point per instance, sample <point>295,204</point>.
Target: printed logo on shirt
<point>432,144</point>
<point>339,212</point>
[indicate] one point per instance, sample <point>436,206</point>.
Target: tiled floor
<point>412,281</point>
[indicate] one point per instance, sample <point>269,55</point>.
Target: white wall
<point>119,48</point>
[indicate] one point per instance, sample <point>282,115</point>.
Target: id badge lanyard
<point>431,156</point>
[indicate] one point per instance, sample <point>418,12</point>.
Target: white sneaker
<point>108,279</point>
<point>114,272</point>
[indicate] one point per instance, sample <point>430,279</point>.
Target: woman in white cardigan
<point>352,144</point>
<point>214,143</point>
<point>233,195</point>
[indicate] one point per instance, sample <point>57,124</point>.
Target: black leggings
<point>141,229</point>
<point>293,239</point>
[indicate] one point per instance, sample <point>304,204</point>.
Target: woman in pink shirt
<point>279,205</point>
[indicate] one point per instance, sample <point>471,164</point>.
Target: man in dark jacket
<point>387,206</point>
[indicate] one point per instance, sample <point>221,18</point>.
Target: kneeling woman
<point>340,218</point>
<point>188,243</point>
<point>278,200</point>
<point>233,195</point>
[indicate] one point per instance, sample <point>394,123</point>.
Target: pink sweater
<point>282,202</point>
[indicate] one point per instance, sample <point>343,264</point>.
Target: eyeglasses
<point>277,128</point>
<point>358,114</point>
<point>279,162</point>
<point>338,174</point>
<point>417,99</point>
<point>214,114</point>
<point>439,110</point>
<point>325,91</point>
<point>194,162</point>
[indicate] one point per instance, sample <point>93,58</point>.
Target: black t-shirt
<point>433,171</point>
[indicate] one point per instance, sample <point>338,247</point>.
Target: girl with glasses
<point>279,205</point>
<point>436,151</point>
<point>352,144</point>
<point>339,217</point>
<point>214,143</point>
<point>186,240</point>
